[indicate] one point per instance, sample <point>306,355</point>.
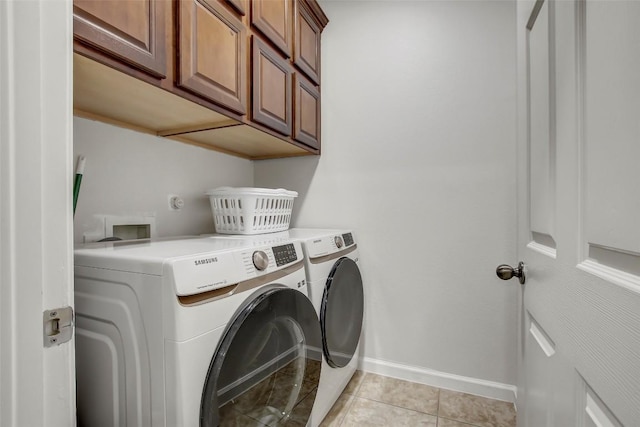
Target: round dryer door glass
<point>341,313</point>
<point>266,368</point>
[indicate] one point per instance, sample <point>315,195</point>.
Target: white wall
<point>418,105</point>
<point>131,173</point>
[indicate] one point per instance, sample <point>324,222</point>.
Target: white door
<point>37,384</point>
<point>579,212</point>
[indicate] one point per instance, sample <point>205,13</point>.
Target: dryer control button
<point>260,260</point>
<point>338,241</point>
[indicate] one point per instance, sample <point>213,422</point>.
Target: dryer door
<point>341,313</point>
<point>266,368</point>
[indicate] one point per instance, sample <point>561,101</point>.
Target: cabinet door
<point>306,105</point>
<point>273,19</point>
<point>271,97</point>
<point>239,5</point>
<point>306,52</point>
<point>212,53</point>
<point>132,31</point>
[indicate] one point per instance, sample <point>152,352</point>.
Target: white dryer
<point>335,287</point>
<point>194,332</point>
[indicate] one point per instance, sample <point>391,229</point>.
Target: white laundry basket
<point>248,210</point>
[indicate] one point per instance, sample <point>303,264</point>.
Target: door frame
<point>37,384</point>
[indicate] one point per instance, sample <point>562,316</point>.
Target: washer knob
<point>260,260</point>
<point>338,241</point>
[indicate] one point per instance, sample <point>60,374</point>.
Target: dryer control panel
<point>348,239</point>
<point>329,244</point>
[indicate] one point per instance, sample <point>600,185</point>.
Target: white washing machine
<point>194,332</point>
<point>335,287</point>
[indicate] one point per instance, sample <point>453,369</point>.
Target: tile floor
<point>374,400</point>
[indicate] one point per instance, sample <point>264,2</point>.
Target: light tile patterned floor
<point>374,400</point>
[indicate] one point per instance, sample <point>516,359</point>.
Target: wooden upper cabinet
<point>131,31</point>
<point>306,111</point>
<point>240,6</point>
<point>272,84</point>
<point>273,19</point>
<point>212,53</point>
<point>241,76</point>
<point>306,52</point>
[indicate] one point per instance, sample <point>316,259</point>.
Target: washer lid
<point>341,313</point>
<point>266,368</point>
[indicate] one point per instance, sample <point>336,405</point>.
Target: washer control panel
<point>284,254</point>
<point>232,262</point>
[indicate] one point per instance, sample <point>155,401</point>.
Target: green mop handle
<point>78,181</point>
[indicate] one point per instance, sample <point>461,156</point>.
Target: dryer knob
<point>338,241</point>
<point>260,260</point>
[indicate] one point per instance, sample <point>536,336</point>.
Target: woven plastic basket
<point>249,210</point>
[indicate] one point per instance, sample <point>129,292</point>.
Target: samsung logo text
<point>205,261</point>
